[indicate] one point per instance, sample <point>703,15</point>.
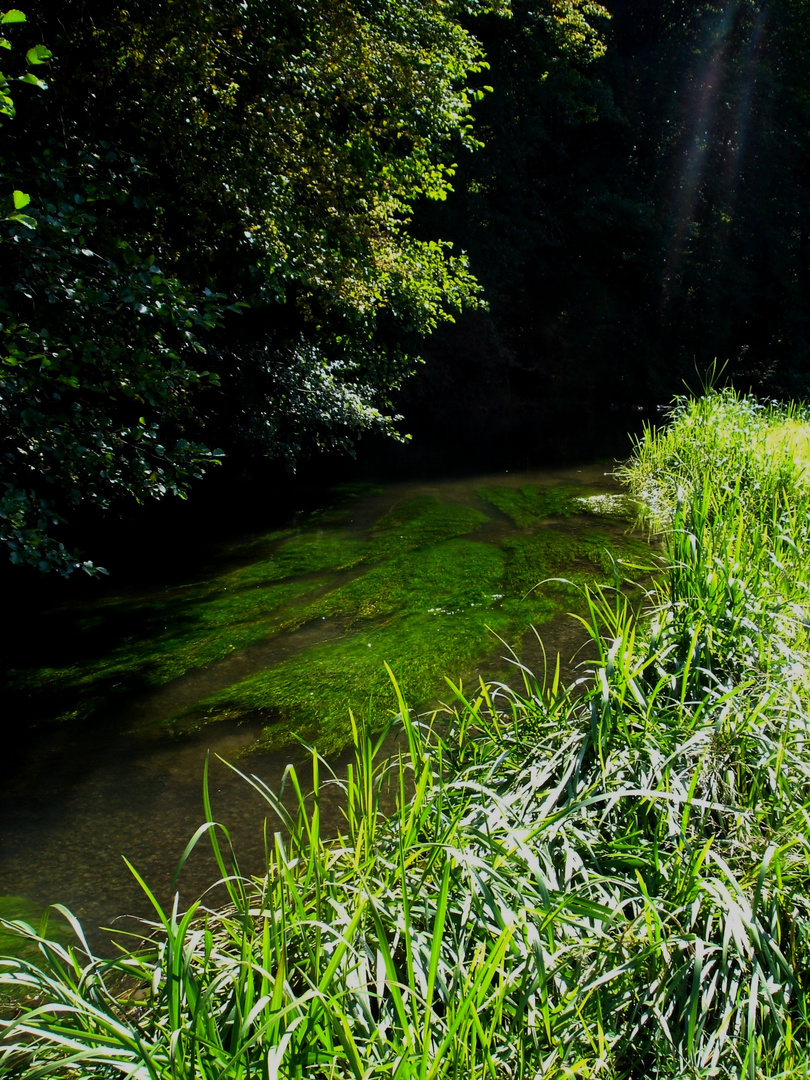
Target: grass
<point>605,880</point>
<point>725,439</point>
<point>18,908</point>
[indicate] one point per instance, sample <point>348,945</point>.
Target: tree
<point>200,158</point>
<point>633,215</point>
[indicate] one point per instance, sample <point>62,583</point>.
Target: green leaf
<point>38,54</point>
<point>24,219</point>
<point>21,200</point>
<point>13,16</point>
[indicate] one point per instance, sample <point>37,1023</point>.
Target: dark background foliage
<point>253,222</point>
<point>631,220</point>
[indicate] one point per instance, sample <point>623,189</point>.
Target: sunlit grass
<point>792,436</point>
<point>605,880</point>
<point>723,439</point>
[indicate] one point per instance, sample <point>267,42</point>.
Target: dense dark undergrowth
<point>609,879</point>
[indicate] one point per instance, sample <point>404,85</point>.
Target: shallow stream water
<point>124,783</point>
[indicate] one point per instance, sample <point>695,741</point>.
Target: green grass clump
<point>13,908</point>
<point>724,439</point>
<point>609,880</point>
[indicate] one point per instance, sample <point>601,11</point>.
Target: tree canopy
<point>250,222</point>
<point>633,218</point>
<point>218,244</point>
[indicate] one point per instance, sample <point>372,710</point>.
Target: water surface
<point>120,774</point>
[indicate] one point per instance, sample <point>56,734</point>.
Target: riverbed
<point>275,640</point>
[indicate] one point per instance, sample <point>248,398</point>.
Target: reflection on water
<point>122,786</point>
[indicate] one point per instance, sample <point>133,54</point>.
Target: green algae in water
<point>549,553</point>
<point>311,697</point>
<point>307,553</point>
<point>348,495</point>
<point>428,614</point>
<point>420,522</point>
<point>145,644</point>
<point>452,576</point>
<point>425,599</point>
<point>530,506</point>
<point>174,636</point>
<point>420,613</point>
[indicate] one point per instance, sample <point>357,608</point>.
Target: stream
<point>276,638</point>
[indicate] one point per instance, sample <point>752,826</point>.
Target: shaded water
<point>123,784</point>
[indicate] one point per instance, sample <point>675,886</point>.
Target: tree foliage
<point>198,159</point>
<point>102,351</point>
<point>637,207</point>
<point>36,55</point>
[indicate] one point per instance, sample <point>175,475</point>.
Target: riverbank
<point>609,879</point>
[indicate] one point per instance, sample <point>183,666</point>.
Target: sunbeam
<point>707,96</point>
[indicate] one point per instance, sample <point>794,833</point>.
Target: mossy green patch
<point>527,507</point>
<point>421,612</point>
<point>552,554</point>
<point>354,490</point>
<point>427,614</point>
<point>173,636</point>
<point>346,496</point>
<point>423,596</point>
<point>419,522</point>
<point>311,696</point>
<point>306,553</point>
<point>448,577</point>
<point>142,644</point>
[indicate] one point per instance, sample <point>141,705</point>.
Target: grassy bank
<point>608,880</point>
